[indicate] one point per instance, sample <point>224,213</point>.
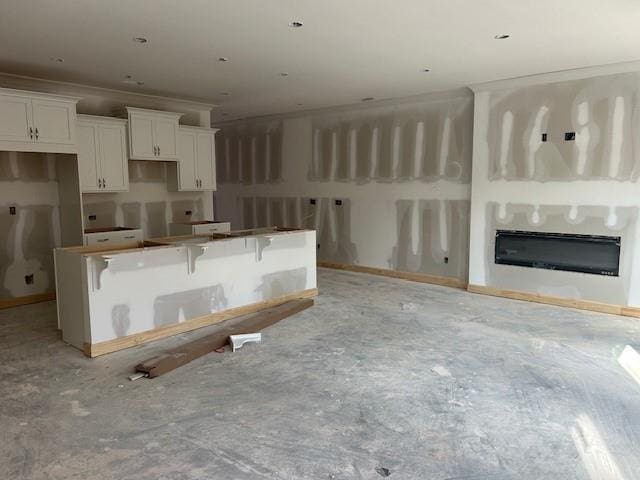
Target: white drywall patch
<point>617,131</point>
<point>505,141</point>
<point>444,145</point>
<point>419,150</point>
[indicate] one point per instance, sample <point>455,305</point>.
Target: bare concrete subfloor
<point>381,378</point>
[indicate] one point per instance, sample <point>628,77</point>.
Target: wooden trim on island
<point>27,300</point>
<point>411,276</point>
<point>557,301</point>
<point>97,349</point>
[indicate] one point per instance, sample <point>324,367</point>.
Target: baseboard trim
<point>411,276</point>
<point>97,349</point>
<point>27,300</point>
<point>557,301</point>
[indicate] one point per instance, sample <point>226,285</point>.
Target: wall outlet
<point>569,136</point>
<point>318,246</point>
<point>312,201</point>
<point>188,212</point>
<point>93,217</point>
<point>12,210</point>
<point>28,279</point>
<point>339,202</point>
<point>544,137</point>
<point>446,259</point>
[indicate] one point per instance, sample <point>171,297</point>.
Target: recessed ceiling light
<point>140,39</point>
<point>296,24</point>
<point>425,70</point>
<point>57,59</point>
<point>501,36</point>
<point>284,74</point>
<point>223,59</point>
<point>367,99</point>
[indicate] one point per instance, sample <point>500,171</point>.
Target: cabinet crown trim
<point>98,118</point>
<point>44,96</point>
<point>148,111</point>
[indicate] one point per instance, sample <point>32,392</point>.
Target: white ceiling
<point>347,49</point>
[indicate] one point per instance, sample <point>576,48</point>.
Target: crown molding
<point>447,95</point>
<point>123,97</point>
<point>559,76</point>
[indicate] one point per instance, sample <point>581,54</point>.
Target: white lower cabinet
<point>106,236</point>
<point>102,154</point>
<point>196,169</point>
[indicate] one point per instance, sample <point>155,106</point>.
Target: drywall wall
<point>148,204</point>
<point>385,186</point>
<point>588,185</point>
<point>28,184</point>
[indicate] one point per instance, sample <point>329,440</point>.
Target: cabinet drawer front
<point>211,228</point>
<point>128,236</point>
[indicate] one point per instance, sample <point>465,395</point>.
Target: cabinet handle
<point>31,133</point>
<point>104,183</point>
<point>102,240</point>
<point>158,150</point>
<point>99,183</point>
<point>37,134</point>
<point>129,237</point>
<point>155,150</point>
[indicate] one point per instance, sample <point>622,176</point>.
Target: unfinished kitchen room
<point>338,240</point>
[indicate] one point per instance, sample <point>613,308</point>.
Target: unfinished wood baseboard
<point>27,300</point>
<point>558,301</point>
<point>97,349</point>
<point>414,277</point>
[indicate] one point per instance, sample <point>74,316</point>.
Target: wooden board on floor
<point>255,322</point>
<point>29,299</point>
<point>97,349</point>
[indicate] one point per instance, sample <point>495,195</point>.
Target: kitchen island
<point>115,297</point>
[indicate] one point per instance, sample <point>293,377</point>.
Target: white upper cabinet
<point>153,135</point>
<point>102,154</point>
<point>36,122</point>
<point>196,159</point>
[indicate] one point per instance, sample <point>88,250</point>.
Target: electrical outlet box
<point>12,210</point>
<point>569,136</point>
<point>188,212</point>
<point>446,259</point>
<point>92,217</point>
<point>312,201</point>
<point>544,137</point>
<point>28,279</point>
<point>339,202</point>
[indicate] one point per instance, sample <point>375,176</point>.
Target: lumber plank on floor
<point>188,352</point>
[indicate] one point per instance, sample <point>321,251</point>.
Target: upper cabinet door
<point>88,157</point>
<point>187,148</point>
<point>15,118</point>
<point>165,133</point>
<point>141,136</point>
<point>113,158</point>
<point>206,161</point>
<point>54,122</point>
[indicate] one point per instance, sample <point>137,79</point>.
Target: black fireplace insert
<point>599,255</point>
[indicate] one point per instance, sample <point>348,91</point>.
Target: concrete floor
<point>381,378</point>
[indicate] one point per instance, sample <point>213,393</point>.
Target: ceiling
<point>347,49</point>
